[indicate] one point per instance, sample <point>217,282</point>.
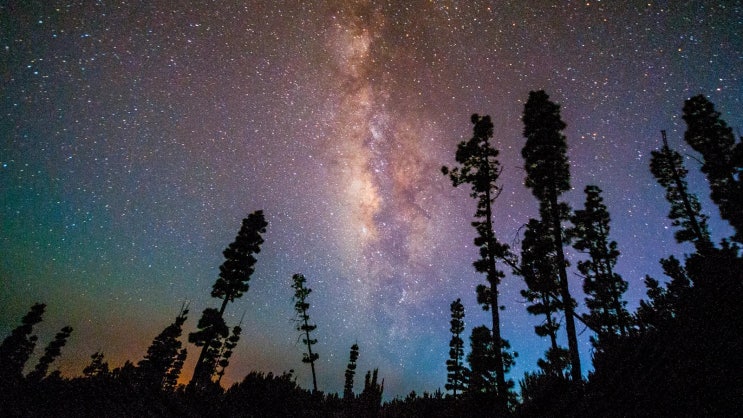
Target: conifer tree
<point>602,285</point>
<point>303,325</point>
<point>156,370</point>
<point>456,379</point>
<point>663,303</point>
<point>51,352</point>
<point>538,268</point>
<point>17,347</point>
<point>232,283</point>
<point>482,360</point>
<point>350,372</point>
<point>548,176</point>
<point>722,158</point>
<point>212,330</point>
<point>370,398</point>
<point>686,212</point>
<point>481,169</point>
<point>171,378</point>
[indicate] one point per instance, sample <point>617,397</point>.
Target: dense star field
<point>135,136</point>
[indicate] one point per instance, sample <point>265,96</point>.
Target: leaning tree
<point>232,283</point>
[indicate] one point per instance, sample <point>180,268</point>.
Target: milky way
<point>136,136</point>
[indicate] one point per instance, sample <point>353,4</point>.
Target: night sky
<point>136,135</point>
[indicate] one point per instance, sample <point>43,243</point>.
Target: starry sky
<point>136,135</point>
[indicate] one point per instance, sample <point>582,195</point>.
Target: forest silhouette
<point>679,354</point>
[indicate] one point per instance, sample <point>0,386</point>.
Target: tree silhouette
<point>17,347</point>
<point>664,303</point>
<point>51,352</point>
<point>480,169</point>
<point>538,268</point>
<point>212,330</point>
<point>97,367</point>
<point>370,398</point>
<point>722,157</point>
<point>548,176</point>
<point>686,212</point>
<point>602,285</point>
<point>234,275</point>
<point>350,372</point>
<point>483,362</point>
<point>301,306</point>
<point>228,345</point>
<point>265,395</point>
<point>456,378</point>
<point>161,365</point>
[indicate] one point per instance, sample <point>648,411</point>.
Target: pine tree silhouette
<point>17,347</point>
<point>234,275</point>
<point>538,268</point>
<point>548,176</point>
<point>603,286</point>
<point>722,157</point>
<point>686,211</point>
<point>480,169</point>
<point>51,352</point>
<point>160,366</point>
<point>350,372</point>
<point>456,378</point>
<point>303,325</point>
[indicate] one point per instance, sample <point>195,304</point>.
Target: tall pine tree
<point>303,322</point>
<point>234,275</point>
<point>480,169</point>
<point>548,176</point>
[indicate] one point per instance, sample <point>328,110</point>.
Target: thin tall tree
<point>350,372</point>
<point>234,275</point>
<point>456,378</point>
<point>480,169</point>
<point>301,306</point>
<point>548,176</point>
